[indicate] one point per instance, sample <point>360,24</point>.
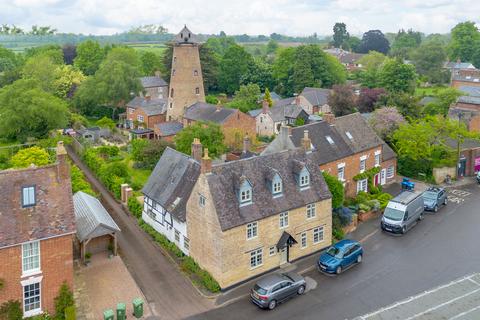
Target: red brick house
<point>143,113</point>
<point>344,147</point>
<point>37,228</point>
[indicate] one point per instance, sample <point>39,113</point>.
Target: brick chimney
<point>265,106</point>
<point>63,167</point>
<point>329,118</point>
<point>158,73</point>
<point>197,149</point>
<point>306,142</point>
<point>297,100</point>
<point>206,164</point>
<point>246,144</point>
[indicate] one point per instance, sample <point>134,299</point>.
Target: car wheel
<point>404,229</point>
<point>435,209</point>
<point>301,290</point>
<point>421,216</point>
<point>445,201</point>
<point>359,258</point>
<point>272,304</point>
<point>339,270</point>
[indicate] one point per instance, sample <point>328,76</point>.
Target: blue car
<point>340,256</point>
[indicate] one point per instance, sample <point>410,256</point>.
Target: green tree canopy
<point>429,59</point>
<point>374,40</point>
<point>233,66</point>
<point>151,62</point>
<point>210,135</point>
<point>28,111</point>
<point>342,100</point>
<point>105,123</point>
<point>372,64</point>
<point>268,97</point>
<point>28,156</point>
<point>89,57</point>
<point>272,46</point>
<point>340,35</point>
<point>405,42</point>
<point>246,97</point>
<point>465,41</point>
<point>396,76</point>
<point>444,99</point>
<point>336,189</point>
<point>52,51</point>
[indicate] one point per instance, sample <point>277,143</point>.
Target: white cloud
<point>293,17</point>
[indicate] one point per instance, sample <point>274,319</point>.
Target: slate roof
<point>284,102</point>
<point>169,128</point>
<point>459,65</point>
<point>173,177</point>
<point>469,100</point>
<point>466,145</point>
<point>470,90</point>
<point>91,217</point>
<point>466,78</point>
<point>280,113</point>
<point>224,180</point>
<point>254,113</point>
<point>152,82</point>
<point>345,56</point>
<point>201,111</point>
<point>316,96</point>
<point>51,216</point>
<point>275,96</point>
<point>151,107</point>
<point>185,36</point>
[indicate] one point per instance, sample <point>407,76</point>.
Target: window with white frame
<point>311,210</point>
<point>151,214</point>
<point>256,258</point>
<point>362,185</point>
<point>31,299</point>
<point>177,235</point>
<point>252,230</point>
<point>390,172</point>
<point>318,235</point>
<point>131,110</point>
<point>272,251</point>
<point>31,257</point>
<point>276,185</point>
<point>186,243</point>
<point>28,196</point>
<point>245,196</point>
<point>304,240</point>
<point>363,164</point>
<point>304,179</point>
<point>139,118</point>
<point>202,200</point>
<point>283,219</point>
<point>377,158</point>
<point>341,172</point>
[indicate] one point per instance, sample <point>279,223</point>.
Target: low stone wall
<point>439,174</point>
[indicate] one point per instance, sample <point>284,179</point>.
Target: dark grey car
<point>434,197</point>
<point>276,288</point>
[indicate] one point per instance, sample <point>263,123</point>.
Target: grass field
<point>157,48</point>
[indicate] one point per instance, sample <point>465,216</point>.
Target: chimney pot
<point>306,142</point>
<point>329,118</point>
<point>206,164</point>
<point>297,100</point>
<point>197,149</point>
<point>246,144</point>
<point>265,106</point>
<point>63,168</point>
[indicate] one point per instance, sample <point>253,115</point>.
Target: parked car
<point>433,198</point>
<point>275,288</point>
<point>340,256</point>
<point>403,212</point>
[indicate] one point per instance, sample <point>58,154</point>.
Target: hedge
<point>135,207</point>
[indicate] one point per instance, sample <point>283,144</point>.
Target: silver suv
<point>276,288</point>
<point>433,198</point>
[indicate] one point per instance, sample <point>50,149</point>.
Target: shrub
<point>108,151</point>
<point>336,188</point>
<point>70,313</point>
<point>79,182</point>
<point>33,155</point>
<point>63,300</point>
<point>135,207</point>
<point>11,310</point>
<point>138,145</point>
<point>92,161</point>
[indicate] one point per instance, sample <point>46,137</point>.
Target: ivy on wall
<point>369,174</point>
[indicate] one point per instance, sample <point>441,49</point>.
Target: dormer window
<point>277,187</point>
<point>304,179</point>
<point>329,139</point>
<point>28,196</point>
<point>245,193</point>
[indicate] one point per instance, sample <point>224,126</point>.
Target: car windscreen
<point>393,214</point>
<point>259,290</point>
<point>334,252</point>
<point>430,195</point>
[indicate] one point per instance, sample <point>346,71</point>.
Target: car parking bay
<point>457,300</point>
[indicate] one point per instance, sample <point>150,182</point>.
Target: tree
<point>396,76</point>
<point>42,31</point>
<point>405,42</point>
<point>444,99</point>
<point>220,45</point>
<point>368,98</point>
<point>353,44</point>
<point>234,139</point>
<point>267,97</point>
<point>272,46</point>
<point>336,189</point>
<point>259,72</point>
<point>106,123</point>
<point>89,56</point>
<point>246,98</point>
<point>54,52</point>
<point>28,111</point>
<point>282,69</point>
<point>148,152</point>
<point>69,53</point>
<point>126,55</point>
<point>408,105</point>
<point>385,121</point>
<point>151,62</point>
<point>10,66</point>
<point>210,135</point>
<point>148,29</point>
<point>68,78</point>
<point>233,65</point>
<point>210,68</point>
<point>374,40</point>
<point>428,60</point>
<point>63,301</point>
<point>340,35</point>
<point>465,39</point>
<point>33,155</point>
<point>342,100</point>
<point>372,64</point>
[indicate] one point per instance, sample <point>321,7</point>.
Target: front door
<point>284,255</point>
<point>383,176</point>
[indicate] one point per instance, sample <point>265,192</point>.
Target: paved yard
<point>103,284</point>
<point>459,299</point>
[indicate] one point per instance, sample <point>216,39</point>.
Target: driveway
<point>169,294</point>
<point>441,248</point>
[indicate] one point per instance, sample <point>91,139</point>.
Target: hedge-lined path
<point>169,294</point>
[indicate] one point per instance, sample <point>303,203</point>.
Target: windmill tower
<point>186,80</point>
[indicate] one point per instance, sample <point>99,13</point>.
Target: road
<point>169,294</point>
<point>441,248</point>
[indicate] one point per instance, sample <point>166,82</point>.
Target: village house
<point>269,120</point>
<point>349,59</point>
<point>167,130</point>
<point>467,110</point>
<point>227,118</point>
<point>37,231</point>
<point>155,86</point>
<point>344,147</point>
<point>144,113</point>
<point>465,80</point>
<point>315,100</point>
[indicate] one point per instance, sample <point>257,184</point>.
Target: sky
<point>291,17</point>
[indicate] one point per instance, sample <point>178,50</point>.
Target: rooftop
<point>153,82</point>
<point>151,106</point>
<point>201,111</point>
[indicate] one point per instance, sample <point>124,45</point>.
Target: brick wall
<point>56,262</point>
<point>457,83</point>
<point>148,121</point>
<point>241,121</point>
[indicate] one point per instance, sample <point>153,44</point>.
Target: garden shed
<point>96,230</point>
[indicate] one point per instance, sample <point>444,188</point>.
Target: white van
<point>403,212</point>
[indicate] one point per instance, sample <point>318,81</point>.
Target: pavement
<point>438,250</point>
<point>169,294</point>
<point>101,285</point>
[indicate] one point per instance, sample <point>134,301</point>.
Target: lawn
<point>428,92</point>
<point>138,176</point>
<point>157,48</point>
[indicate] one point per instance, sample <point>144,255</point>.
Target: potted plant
<point>88,256</point>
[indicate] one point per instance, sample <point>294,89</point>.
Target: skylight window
<point>329,139</point>
<point>349,135</point>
